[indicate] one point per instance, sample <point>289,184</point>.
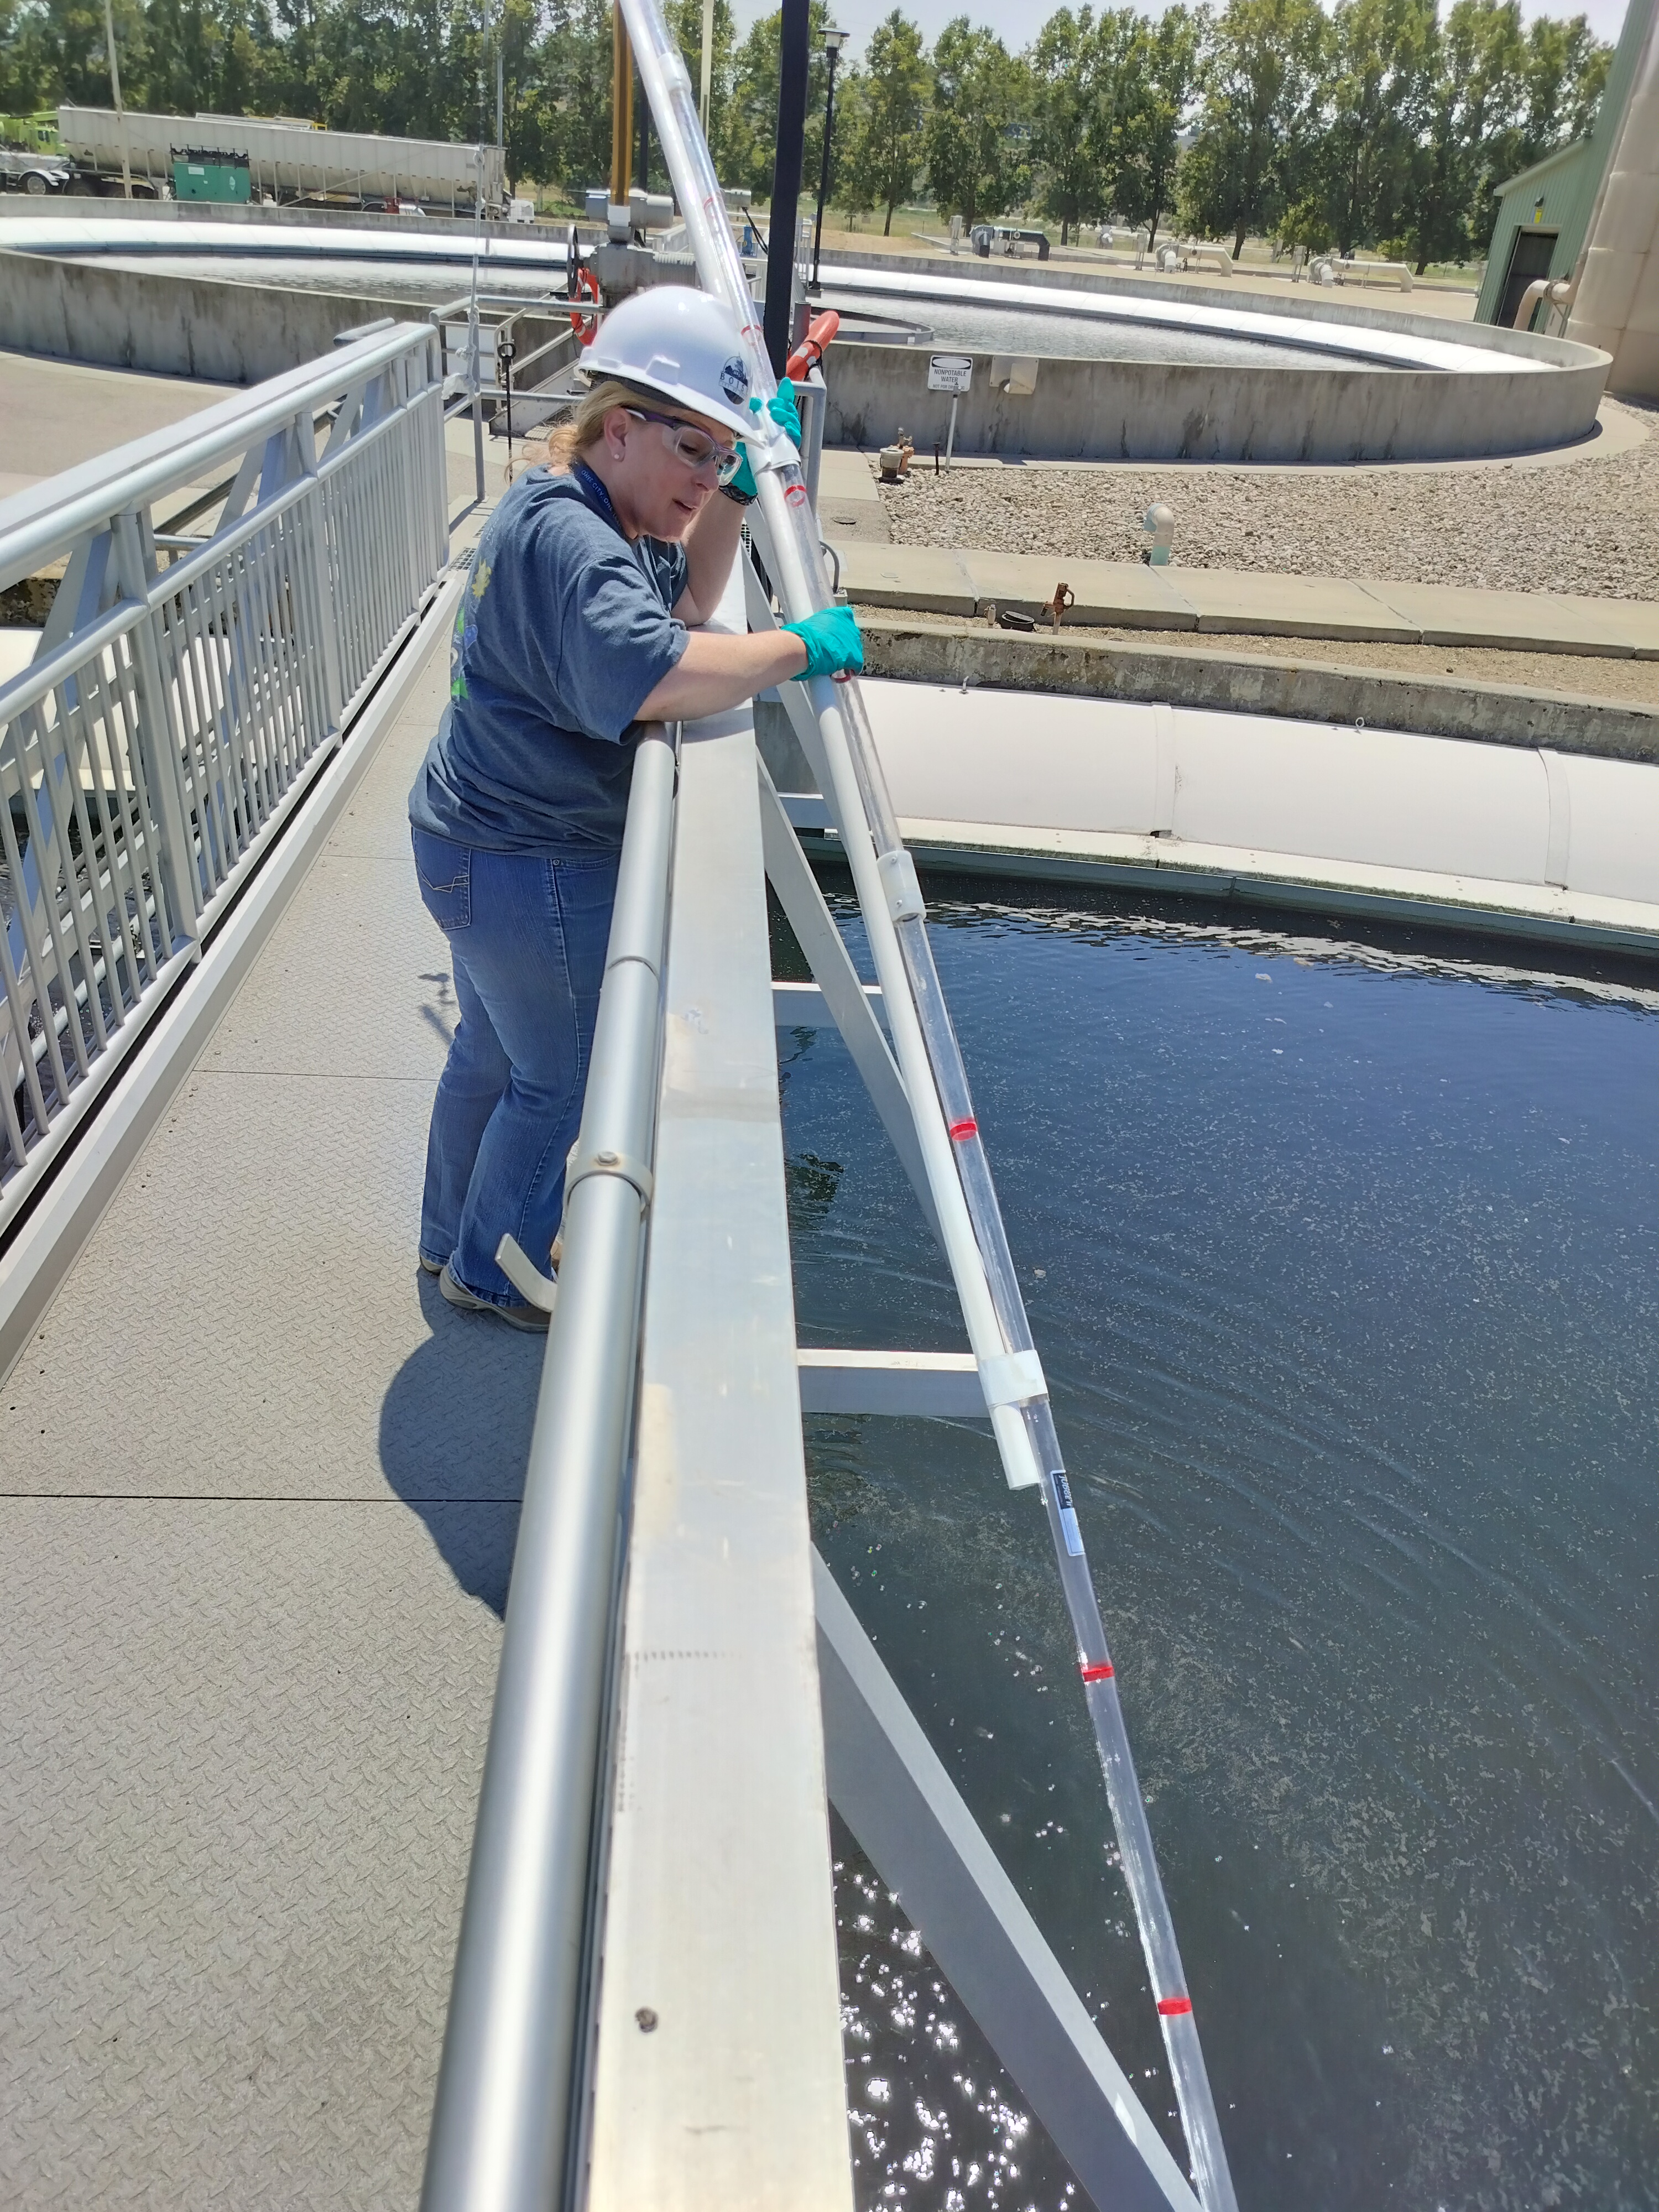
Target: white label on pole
<point>949,372</point>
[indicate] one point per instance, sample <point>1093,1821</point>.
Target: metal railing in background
<point>479,334</point>
<point>186,689</point>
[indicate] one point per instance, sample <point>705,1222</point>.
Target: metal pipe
<point>831,53</point>
<point>502,2118</point>
<point>936,1083</point>
<point>115,91</point>
<point>1637,78</point>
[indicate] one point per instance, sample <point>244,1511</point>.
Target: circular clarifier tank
<point>1065,366</point>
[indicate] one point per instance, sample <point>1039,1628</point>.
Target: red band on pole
<point>960,1129</point>
<point>1097,1673</point>
<point>1172,2006</point>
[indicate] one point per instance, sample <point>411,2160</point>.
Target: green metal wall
<point>1555,194</point>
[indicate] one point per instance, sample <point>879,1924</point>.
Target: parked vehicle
<point>30,169</point>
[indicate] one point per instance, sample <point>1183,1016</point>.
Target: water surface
<point>1341,1260</point>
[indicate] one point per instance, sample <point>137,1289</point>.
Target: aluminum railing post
<point>155,739</point>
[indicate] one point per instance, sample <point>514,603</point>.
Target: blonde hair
<point>580,430</point>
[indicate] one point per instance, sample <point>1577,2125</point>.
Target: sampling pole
<point>930,1061</point>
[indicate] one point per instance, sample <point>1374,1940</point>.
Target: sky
<point>1017,20</point>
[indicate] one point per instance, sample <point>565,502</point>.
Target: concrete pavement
<point>1127,595</point>
<point>261,1486</point>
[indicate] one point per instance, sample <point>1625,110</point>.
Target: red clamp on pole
<point>961,1129</point>
<point>1098,1674</point>
<point>1172,2007</point>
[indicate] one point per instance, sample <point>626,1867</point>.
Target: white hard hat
<point>683,344</point>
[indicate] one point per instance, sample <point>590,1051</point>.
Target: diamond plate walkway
<point>259,1501</point>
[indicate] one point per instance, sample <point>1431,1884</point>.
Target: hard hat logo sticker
<point>734,380</point>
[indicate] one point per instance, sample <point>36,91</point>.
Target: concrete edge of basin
<point>915,651</point>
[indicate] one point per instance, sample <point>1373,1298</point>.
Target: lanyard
<point>594,492</point>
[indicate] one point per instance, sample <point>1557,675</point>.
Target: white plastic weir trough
<point>1516,840</point>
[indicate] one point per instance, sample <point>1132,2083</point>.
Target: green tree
<point>1384,55</point>
<point>1068,126</point>
<point>1261,88</point>
<point>1566,69</point>
<point>1154,94</point>
<point>974,153</point>
<point>745,151</point>
<point>884,152</point>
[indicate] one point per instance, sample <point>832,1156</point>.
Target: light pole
<point>833,43</point>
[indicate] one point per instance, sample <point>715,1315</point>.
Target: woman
<point>580,622</point>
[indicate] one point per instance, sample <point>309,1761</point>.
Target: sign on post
<point>953,373</point>
<point>949,372</point>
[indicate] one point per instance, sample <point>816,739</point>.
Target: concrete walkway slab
<point>920,576</point>
<point>261,1489</point>
<point>62,413</point>
<point>1126,592</point>
<point>1287,606</point>
<point>1128,595</point>
<point>1545,621</point>
<point>844,473</point>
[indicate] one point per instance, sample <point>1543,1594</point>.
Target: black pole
<point>786,181</point>
<point>824,167</point>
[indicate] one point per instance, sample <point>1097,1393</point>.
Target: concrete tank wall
<point>1136,410</point>
<point>172,325</point>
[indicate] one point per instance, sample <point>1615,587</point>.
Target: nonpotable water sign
<point>949,372</point>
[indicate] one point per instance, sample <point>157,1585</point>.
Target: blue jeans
<point>527,937</point>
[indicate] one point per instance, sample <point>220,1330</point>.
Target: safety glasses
<point>695,447</point>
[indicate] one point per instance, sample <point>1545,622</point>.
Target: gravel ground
<point>1590,526</point>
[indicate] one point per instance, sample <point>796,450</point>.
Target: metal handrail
<point>501,2122</point>
<point>177,710</point>
<point>842,749</point>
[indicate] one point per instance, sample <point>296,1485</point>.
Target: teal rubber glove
<point>785,413</point>
<point>832,643</point>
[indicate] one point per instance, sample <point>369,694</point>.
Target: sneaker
<point>429,1266</point>
<point>529,1318</point>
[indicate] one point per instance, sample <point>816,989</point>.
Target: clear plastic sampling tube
<point>930,1059</point>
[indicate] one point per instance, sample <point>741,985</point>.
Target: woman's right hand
<point>832,641</point>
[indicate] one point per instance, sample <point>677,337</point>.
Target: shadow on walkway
<point>455,1437</point>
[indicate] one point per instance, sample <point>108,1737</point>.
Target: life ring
<point>585,321</point>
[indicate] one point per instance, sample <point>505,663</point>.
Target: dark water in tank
<point>1341,1259</point>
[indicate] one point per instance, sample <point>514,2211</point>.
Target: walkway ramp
<point>261,1490</point>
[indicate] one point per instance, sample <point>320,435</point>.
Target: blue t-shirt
<point>563,630</point>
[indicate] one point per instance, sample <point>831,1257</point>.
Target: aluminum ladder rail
<point>930,1063</point>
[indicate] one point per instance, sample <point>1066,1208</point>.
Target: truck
<point>287,159</point>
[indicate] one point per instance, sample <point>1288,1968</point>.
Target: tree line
<point>1379,123</point>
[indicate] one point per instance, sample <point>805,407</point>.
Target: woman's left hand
<point>784,413</point>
